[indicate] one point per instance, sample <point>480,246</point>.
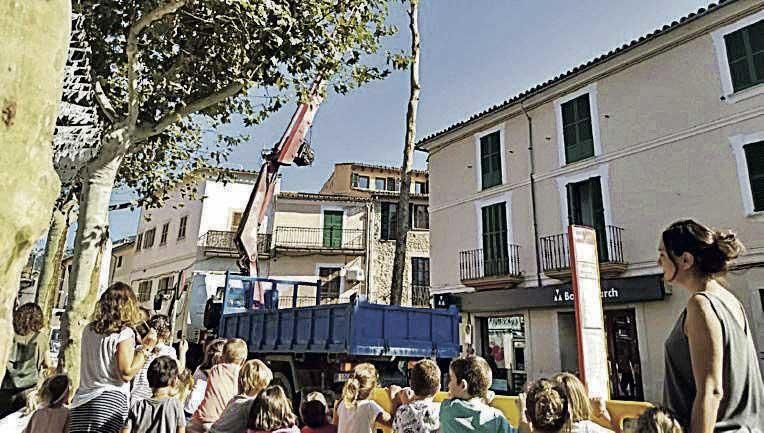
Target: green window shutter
<point>577,129</point>
<point>754,156</point>
<point>745,56</point>
<point>598,211</point>
<point>389,221</point>
<point>333,229</point>
<point>495,250</point>
<point>490,160</point>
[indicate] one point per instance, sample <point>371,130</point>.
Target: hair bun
<point>727,242</point>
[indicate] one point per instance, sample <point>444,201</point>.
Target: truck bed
<point>359,328</point>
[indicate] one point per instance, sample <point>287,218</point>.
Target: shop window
<point>503,342</point>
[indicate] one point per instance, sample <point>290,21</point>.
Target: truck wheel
<point>281,380</point>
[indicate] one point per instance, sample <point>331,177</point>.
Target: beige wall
<point>666,154</point>
<point>121,273</point>
<point>340,180</point>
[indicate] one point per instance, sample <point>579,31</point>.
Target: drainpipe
<point>368,249</point>
<point>533,194</point>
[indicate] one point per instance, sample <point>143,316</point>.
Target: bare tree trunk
<point>399,261</point>
<point>31,76</point>
<point>50,274</point>
<point>92,232</point>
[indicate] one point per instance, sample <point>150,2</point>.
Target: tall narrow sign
<point>590,327</point>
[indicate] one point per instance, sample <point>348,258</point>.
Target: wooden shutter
<point>754,156</point>
<point>490,160</point>
<point>577,129</point>
<point>745,56</point>
<point>333,229</point>
<point>599,217</point>
<point>572,204</point>
<point>389,220</point>
<point>495,249</point>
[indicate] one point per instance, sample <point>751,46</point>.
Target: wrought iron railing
<point>420,296</point>
<point>475,264</point>
<point>223,241</point>
<point>555,255</point>
<point>320,238</point>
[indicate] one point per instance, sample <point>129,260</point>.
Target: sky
<point>474,54</point>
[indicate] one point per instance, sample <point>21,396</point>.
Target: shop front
<point>516,328</point>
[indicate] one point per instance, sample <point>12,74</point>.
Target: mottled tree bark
<point>50,274</point>
<point>35,37</point>
<point>399,261</point>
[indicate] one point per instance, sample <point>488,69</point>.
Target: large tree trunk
<point>50,274</point>
<point>35,38</point>
<point>399,261</point>
<point>92,232</point>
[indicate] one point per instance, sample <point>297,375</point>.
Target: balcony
<point>555,259</point>
<point>420,296</point>
<point>222,244</point>
<point>479,271</point>
<point>328,240</point>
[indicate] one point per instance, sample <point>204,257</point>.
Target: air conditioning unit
<point>355,275</point>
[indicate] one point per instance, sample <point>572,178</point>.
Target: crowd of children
<point>230,394</point>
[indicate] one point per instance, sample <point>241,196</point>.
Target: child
<point>253,378</point>
<point>183,385</point>
<point>160,412</point>
<point>52,416</point>
<point>222,384</point>
<point>313,413</point>
<point>547,407</point>
<point>356,413</point>
<point>213,355</point>
<point>271,412</point>
<point>418,413</point>
<point>580,406</point>
<point>658,420</point>
<point>161,324</point>
<point>465,409</point>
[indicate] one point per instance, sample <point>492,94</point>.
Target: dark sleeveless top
<point>742,406</point>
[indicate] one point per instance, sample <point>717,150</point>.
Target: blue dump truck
<point>315,347</point>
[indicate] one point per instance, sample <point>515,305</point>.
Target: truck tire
<point>282,380</point>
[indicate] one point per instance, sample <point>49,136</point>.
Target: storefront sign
<point>612,291</point>
<point>512,323</point>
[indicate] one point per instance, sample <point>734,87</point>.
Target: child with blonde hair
<point>581,410</point>
<point>52,416</point>
<point>222,386</point>
<point>271,412</point>
<point>658,420</point>
<point>356,412</point>
<point>254,376</point>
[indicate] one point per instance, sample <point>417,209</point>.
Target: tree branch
<point>190,108</point>
<point>104,103</point>
<point>132,50</point>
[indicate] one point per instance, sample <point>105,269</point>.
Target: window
<point>420,217</point>
<point>490,160</point>
<point>754,157</point>
<point>144,291</point>
<point>389,212</point>
<point>420,271</point>
<point>585,207</point>
<point>380,183</point>
<point>495,239</point>
<point>165,283</point>
<point>391,184</point>
<point>421,188</point>
<point>119,261</point>
<point>235,221</point>
<point>165,231</point>
<point>148,238</point>
<point>333,228</point>
<point>330,282</point>
<point>182,227</point>
<point>359,181</point>
<point>745,56</point>
<point>577,129</point>
<point>503,342</point>
<point>139,242</point>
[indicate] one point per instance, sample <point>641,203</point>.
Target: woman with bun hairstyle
<point>712,378</point>
<point>547,407</point>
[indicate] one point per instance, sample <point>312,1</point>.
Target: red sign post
<point>590,327</point>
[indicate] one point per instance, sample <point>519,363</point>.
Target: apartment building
<point>194,233</point>
<point>345,235</point>
<point>121,263</point>
<point>665,127</point>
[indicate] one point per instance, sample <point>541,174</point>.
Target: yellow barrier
<point>619,410</point>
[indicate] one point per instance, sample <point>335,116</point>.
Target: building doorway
<point>503,343</point>
<point>624,367</point>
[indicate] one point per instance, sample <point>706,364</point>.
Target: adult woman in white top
<point>110,359</point>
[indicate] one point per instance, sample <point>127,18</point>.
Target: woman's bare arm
<point>704,332</point>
